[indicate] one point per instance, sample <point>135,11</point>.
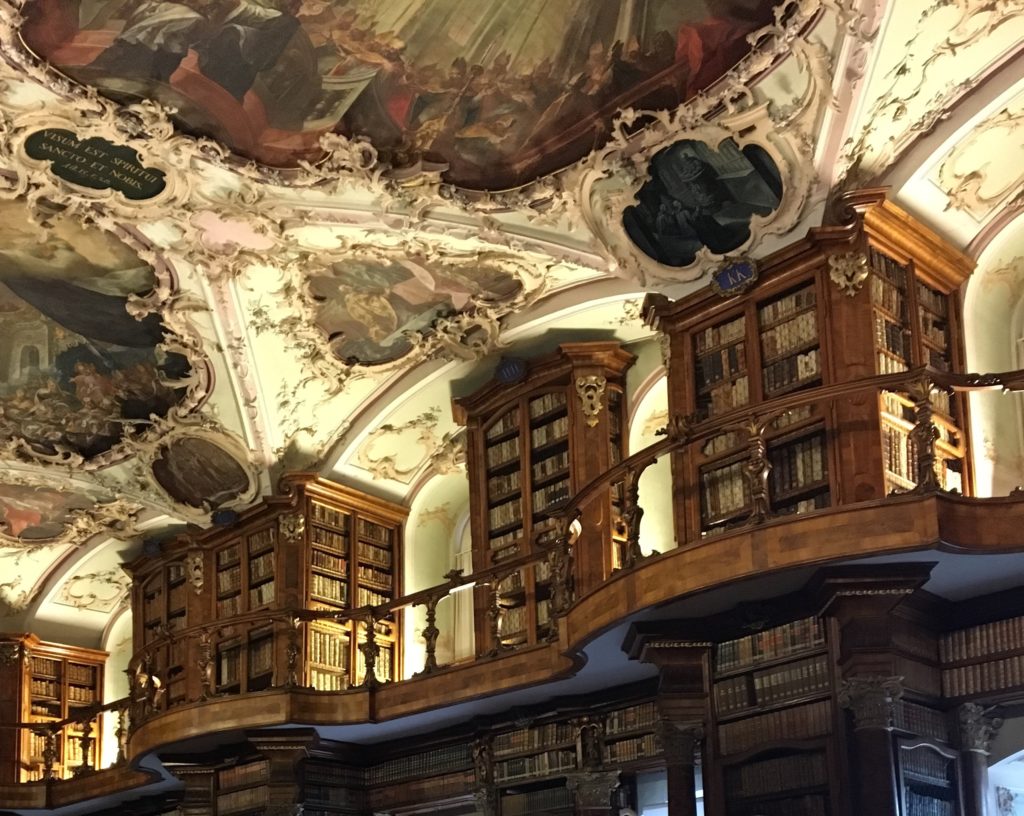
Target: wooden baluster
<point>49,735</point>
<point>121,734</point>
<point>292,652</point>
<point>632,514</point>
<point>560,567</point>
<point>430,634</point>
<point>756,469</point>
<point>370,651</point>
<point>206,665</point>
<point>924,435</point>
<point>85,741</point>
<point>495,614</point>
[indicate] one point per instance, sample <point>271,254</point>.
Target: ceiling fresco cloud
<point>498,93</point>
<point>78,370</point>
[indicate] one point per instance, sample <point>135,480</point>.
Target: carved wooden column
<point>872,700</point>
<point>685,676</point>
<point>283,750</point>
<point>593,791</point>
<point>977,729</point>
<point>198,796</point>
<point>485,794</point>
<point>861,603</point>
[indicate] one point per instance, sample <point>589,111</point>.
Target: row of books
<point>227,557</point>
<point>979,641</point>
<point>74,752</point>
<point>935,329</point>
<point>720,443</point>
<point>981,677</point>
<point>939,360</point>
<point>242,800</point>
<point>374,575</point>
<point>503,452</point>
<point>510,512</point>
<point>510,584</point>
<point>261,566</point>
<point>790,335</point>
<point>642,715</point>
<point>328,561</point>
<point>887,364</point>
<point>77,673</point>
<point>331,589</point>
<point>921,721</point>
<point>370,597</point>
<point>777,775</point>
<point>795,723</point>
<point>797,464</point>
<point>504,425</point>
<point>925,764</point>
<point>779,641</point>
<point>328,648</point>
<point>792,680</point>
<point>262,594</point>
<point>44,688</point>
<point>718,335</point>
<point>329,515</point>
<point>725,397</point>
<point>546,764</point>
<point>932,299</point>
<point>36,745</point>
<point>506,545</point>
<point>783,307</point>
<point>513,621</point>
<point>920,804</point>
<point>888,296</point>
<point>228,662</point>
<point>546,403</point>
<point>373,555</point>
<point>229,607</point>
<point>724,490</point>
<point>550,495</point>
<point>330,795</point>
<point>262,540</point>
<point>552,464</point>
<point>330,773</point>
<point>543,612</point>
<point>428,763</point>
<point>549,801</point>
<point>46,665</point>
<point>806,805</point>
<point>542,571</point>
<point>892,337</point>
<point>628,750</point>
<point>816,502</point>
<point>797,369</point>
<point>525,739</point>
<point>500,485</point>
<point>551,432</point>
<point>374,532</point>
<point>328,680</point>
<point>330,540</point>
<point>888,268</point>
<point>45,708</point>
<point>252,773</point>
<point>261,656</point>
<point>230,579</point>
<point>899,452</point>
<point>721,364</point>
<point>80,694</point>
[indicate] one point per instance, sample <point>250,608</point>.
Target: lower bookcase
<point>929,778</point>
<point>779,781</point>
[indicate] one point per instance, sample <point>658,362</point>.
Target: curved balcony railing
<point>147,698</point>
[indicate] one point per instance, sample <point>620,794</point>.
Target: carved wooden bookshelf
<point>46,683</point>
<point>879,295</point>
<point>322,547</point>
<point>534,440</point>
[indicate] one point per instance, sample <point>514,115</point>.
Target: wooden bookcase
<point>322,547</point>
<point>797,329</point>
<point>533,443</point>
<point>929,778</point>
<point>242,788</point>
<point>774,712</point>
<point>45,683</point>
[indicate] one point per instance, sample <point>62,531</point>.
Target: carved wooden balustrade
<point>148,699</point>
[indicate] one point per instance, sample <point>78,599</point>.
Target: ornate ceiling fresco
<point>496,93</point>
<point>245,236</point>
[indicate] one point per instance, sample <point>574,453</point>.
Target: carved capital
<point>590,390</point>
<point>292,526</point>
<point>10,653</point>
<point>593,789</point>
<point>849,271</point>
<point>872,700</point>
<point>977,727</point>
<point>680,741</point>
<point>194,567</point>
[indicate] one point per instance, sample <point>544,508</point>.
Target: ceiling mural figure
<point>77,370</point>
<point>373,310</point>
<point>199,473</point>
<point>497,92</point>
<point>31,513</point>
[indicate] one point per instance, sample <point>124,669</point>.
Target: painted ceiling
<point>246,236</point>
